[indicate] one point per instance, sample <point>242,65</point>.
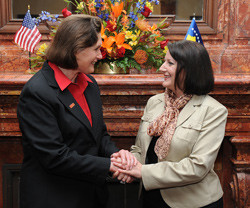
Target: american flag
<point>28,36</point>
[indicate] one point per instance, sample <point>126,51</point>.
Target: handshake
<point>125,167</point>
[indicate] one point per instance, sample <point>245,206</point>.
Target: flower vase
<point>104,68</point>
<point>144,70</point>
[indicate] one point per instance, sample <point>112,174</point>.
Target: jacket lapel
<point>65,97</point>
<point>93,105</point>
<point>70,103</point>
<point>189,109</point>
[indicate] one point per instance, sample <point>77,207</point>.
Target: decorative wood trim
<point>11,26</point>
<point>241,157</point>
<point>148,84</point>
<point>11,185</point>
<point>226,80</point>
<point>240,183</point>
<point>206,26</point>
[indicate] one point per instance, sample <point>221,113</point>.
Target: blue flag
<point>193,33</point>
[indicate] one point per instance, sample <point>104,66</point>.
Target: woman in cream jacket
<point>180,134</point>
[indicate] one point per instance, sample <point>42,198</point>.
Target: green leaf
<point>161,38</point>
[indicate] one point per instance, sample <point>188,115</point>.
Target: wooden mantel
<point>124,98</point>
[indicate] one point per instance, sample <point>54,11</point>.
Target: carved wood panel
<point>124,98</point>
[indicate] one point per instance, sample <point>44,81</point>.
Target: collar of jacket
<point>67,99</point>
<point>189,108</point>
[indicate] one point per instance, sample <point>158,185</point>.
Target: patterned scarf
<point>164,125</point>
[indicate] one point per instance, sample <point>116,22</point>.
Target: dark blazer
<point>65,160</point>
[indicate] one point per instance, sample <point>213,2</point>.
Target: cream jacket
<point>186,178</point>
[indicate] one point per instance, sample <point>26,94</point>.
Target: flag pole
<point>29,61</point>
<point>29,51</point>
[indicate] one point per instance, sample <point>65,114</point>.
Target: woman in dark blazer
<point>66,146</point>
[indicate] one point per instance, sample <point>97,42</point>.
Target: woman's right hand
<point>134,172</point>
<point>128,160</point>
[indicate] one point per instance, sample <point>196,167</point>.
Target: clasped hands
<point>125,166</point>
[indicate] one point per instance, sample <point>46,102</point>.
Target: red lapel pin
<point>72,105</point>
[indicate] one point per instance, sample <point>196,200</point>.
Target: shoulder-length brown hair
<point>75,33</point>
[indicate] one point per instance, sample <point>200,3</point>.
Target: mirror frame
<point>206,26</point>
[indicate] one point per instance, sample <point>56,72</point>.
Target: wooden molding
<point>206,26</point>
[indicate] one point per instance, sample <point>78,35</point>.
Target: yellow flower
<point>134,37</point>
<point>128,34</point>
<point>150,6</point>
<point>133,43</point>
<point>137,32</point>
<point>165,49</point>
<point>41,50</point>
<point>80,6</point>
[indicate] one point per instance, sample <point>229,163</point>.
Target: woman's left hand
<point>123,177</point>
<point>128,160</point>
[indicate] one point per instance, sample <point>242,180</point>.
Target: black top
<point>153,197</point>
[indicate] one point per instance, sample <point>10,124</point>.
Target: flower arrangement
<point>128,40</point>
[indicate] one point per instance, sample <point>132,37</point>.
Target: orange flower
<point>120,39</point>
<point>104,7</point>
<point>143,25</point>
<point>108,42</point>
<point>117,9</point>
<point>141,56</point>
<point>103,33</point>
<point>125,21</point>
<point>92,8</point>
<point>154,27</point>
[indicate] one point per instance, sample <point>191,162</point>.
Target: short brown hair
<point>75,33</point>
<point>193,61</point>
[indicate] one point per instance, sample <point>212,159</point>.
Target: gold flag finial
<point>28,7</point>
